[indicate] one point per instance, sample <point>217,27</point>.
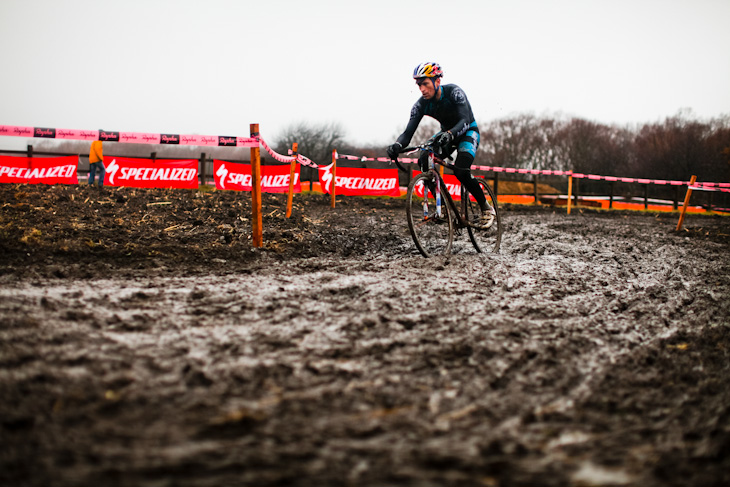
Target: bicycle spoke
<point>489,239</point>
<point>431,233</point>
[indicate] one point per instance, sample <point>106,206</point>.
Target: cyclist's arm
<point>463,112</point>
<point>416,115</point>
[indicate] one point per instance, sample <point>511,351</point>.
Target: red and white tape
<point>596,177</point>
<point>301,159</point>
<point>128,137</point>
<point>710,187</point>
<point>145,138</point>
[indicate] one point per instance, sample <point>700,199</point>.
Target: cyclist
<point>449,106</point>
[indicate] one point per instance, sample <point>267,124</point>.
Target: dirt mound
<point>144,342</point>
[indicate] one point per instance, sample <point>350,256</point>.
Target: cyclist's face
<point>428,86</point>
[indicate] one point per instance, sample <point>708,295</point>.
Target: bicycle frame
<point>429,239</point>
<point>433,161</point>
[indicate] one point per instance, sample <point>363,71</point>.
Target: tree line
<point>673,149</point>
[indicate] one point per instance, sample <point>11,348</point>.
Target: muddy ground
<point>143,342</point>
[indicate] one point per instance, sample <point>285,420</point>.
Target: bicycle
<point>433,216</point>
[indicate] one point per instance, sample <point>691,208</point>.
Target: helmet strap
<point>437,91</point>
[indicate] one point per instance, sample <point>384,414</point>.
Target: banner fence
<point>36,170</point>
<point>13,171</point>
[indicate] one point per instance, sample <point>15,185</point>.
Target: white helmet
<point>427,70</point>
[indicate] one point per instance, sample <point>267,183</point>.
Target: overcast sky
<point>213,67</point>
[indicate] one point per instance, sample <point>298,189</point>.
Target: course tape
<point>706,187</point>
<point>145,138</point>
<point>301,159</point>
<point>511,170</point>
<point>377,159</point>
<point>128,137</point>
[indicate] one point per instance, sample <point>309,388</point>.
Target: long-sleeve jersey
<point>96,153</point>
<point>452,110</point>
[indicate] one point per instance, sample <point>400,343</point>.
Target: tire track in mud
<point>379,368</point>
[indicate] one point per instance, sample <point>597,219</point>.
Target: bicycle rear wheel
<point>432,233</point>
<point>484,240</point>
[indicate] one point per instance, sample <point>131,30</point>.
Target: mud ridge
<point>144,342</point>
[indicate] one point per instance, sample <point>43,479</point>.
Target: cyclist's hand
<point>394,150</point>
<point>443,140</point>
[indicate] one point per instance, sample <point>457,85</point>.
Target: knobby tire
<point>484,240</point>
<point>433,235</point>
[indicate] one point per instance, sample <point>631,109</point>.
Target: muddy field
<point>143,342</point>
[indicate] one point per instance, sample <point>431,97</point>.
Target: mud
<point>144,342</point>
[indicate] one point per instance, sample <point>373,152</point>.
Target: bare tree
<point>682,146</point>
<point>523,141</point>
<point>596,148</point>
<point>315,141</point>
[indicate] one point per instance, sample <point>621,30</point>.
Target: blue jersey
<point>452,111</point>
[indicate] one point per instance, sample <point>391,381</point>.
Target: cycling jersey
<point>452,110</point>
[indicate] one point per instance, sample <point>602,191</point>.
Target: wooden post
<point>30,157</point>
<point>292,172</point>
<point>153,156</point>
<point>570,191</point>
<point>496,185</point>
<point>202,168</point>
<point>256,218</point>
<point>646,196</point>
<point>534,189</point>
<point>334,175</point>
<point>610,199</point>
<point>686,202</point>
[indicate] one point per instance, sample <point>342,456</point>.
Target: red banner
<point>148,173</point>
<point>360,181</point>
<point>35,170</point>
<point>452,184</point>
<point>237,177</point>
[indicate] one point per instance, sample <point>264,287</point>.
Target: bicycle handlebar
<point>427,147</point>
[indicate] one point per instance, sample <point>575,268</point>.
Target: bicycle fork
<point>426,189</point>
<point>439,213</point>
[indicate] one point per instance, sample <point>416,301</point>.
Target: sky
<point>213,67</point>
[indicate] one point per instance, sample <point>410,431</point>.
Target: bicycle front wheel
<point>484,240</point>
<point>432,232</point>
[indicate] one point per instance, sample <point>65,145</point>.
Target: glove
<point>443,141</point>
<point>394,150</point>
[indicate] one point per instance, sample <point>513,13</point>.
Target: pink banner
<point>77,134</point>
<point>357,181</point>
<point>148,173</point>
<point>129,137</point>
<point>36,170</point>
<point>237,177</point>
<point>204,140</point>
<point>13,131</point>
<point>139,138</point>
